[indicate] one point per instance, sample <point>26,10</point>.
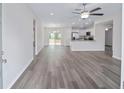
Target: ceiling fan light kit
<point>84,15</point>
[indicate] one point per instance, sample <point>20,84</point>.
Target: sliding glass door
<point>55,38</point>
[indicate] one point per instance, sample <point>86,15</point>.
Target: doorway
<point>55,38</point>
<point>109,38</point>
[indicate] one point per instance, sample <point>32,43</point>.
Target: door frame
<point>122,57</point>
<point>34,38</point>
<point>1,60</point>
<point>110,54</point>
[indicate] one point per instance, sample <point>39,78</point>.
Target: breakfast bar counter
<point>84,45</point>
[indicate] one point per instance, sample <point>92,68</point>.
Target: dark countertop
<point>108,45</point>
<point>82,40</point>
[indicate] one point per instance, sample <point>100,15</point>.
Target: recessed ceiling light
<point>106,29</point>
<point>51,14</point>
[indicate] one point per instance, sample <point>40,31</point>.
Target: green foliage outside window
<point>56,36</point>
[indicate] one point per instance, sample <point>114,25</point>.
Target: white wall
<point>67,36</point>
<point>122,62</point>
<point>100,36</point>
<point>117,32</point>
<point>38,36</point>
<point>17,41</point>
<point>42,34</point>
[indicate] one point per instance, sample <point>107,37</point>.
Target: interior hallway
<point>58,67</point>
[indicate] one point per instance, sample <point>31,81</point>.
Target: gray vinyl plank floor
<point>57,67</point>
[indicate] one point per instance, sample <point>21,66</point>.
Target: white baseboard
<point>119,58</point>
<point>86,49</point>
<point>20,73</point>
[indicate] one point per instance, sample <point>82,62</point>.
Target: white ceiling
<point>63,15</point>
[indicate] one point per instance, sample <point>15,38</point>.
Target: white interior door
<point>0,46</point>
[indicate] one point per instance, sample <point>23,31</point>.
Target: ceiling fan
<point>85,14</point>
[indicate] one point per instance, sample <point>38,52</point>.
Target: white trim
<point>87,49</point>
<point>122,62</point>
<point>119,58</point>
<point>20,73</point>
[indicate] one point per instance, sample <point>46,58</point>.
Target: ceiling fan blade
<point>75,12</point>
<point>96,9</point>
<point>78,9</point>
<point>97,14</point>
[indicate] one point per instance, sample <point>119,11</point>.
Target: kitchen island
<point>85,45</point>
